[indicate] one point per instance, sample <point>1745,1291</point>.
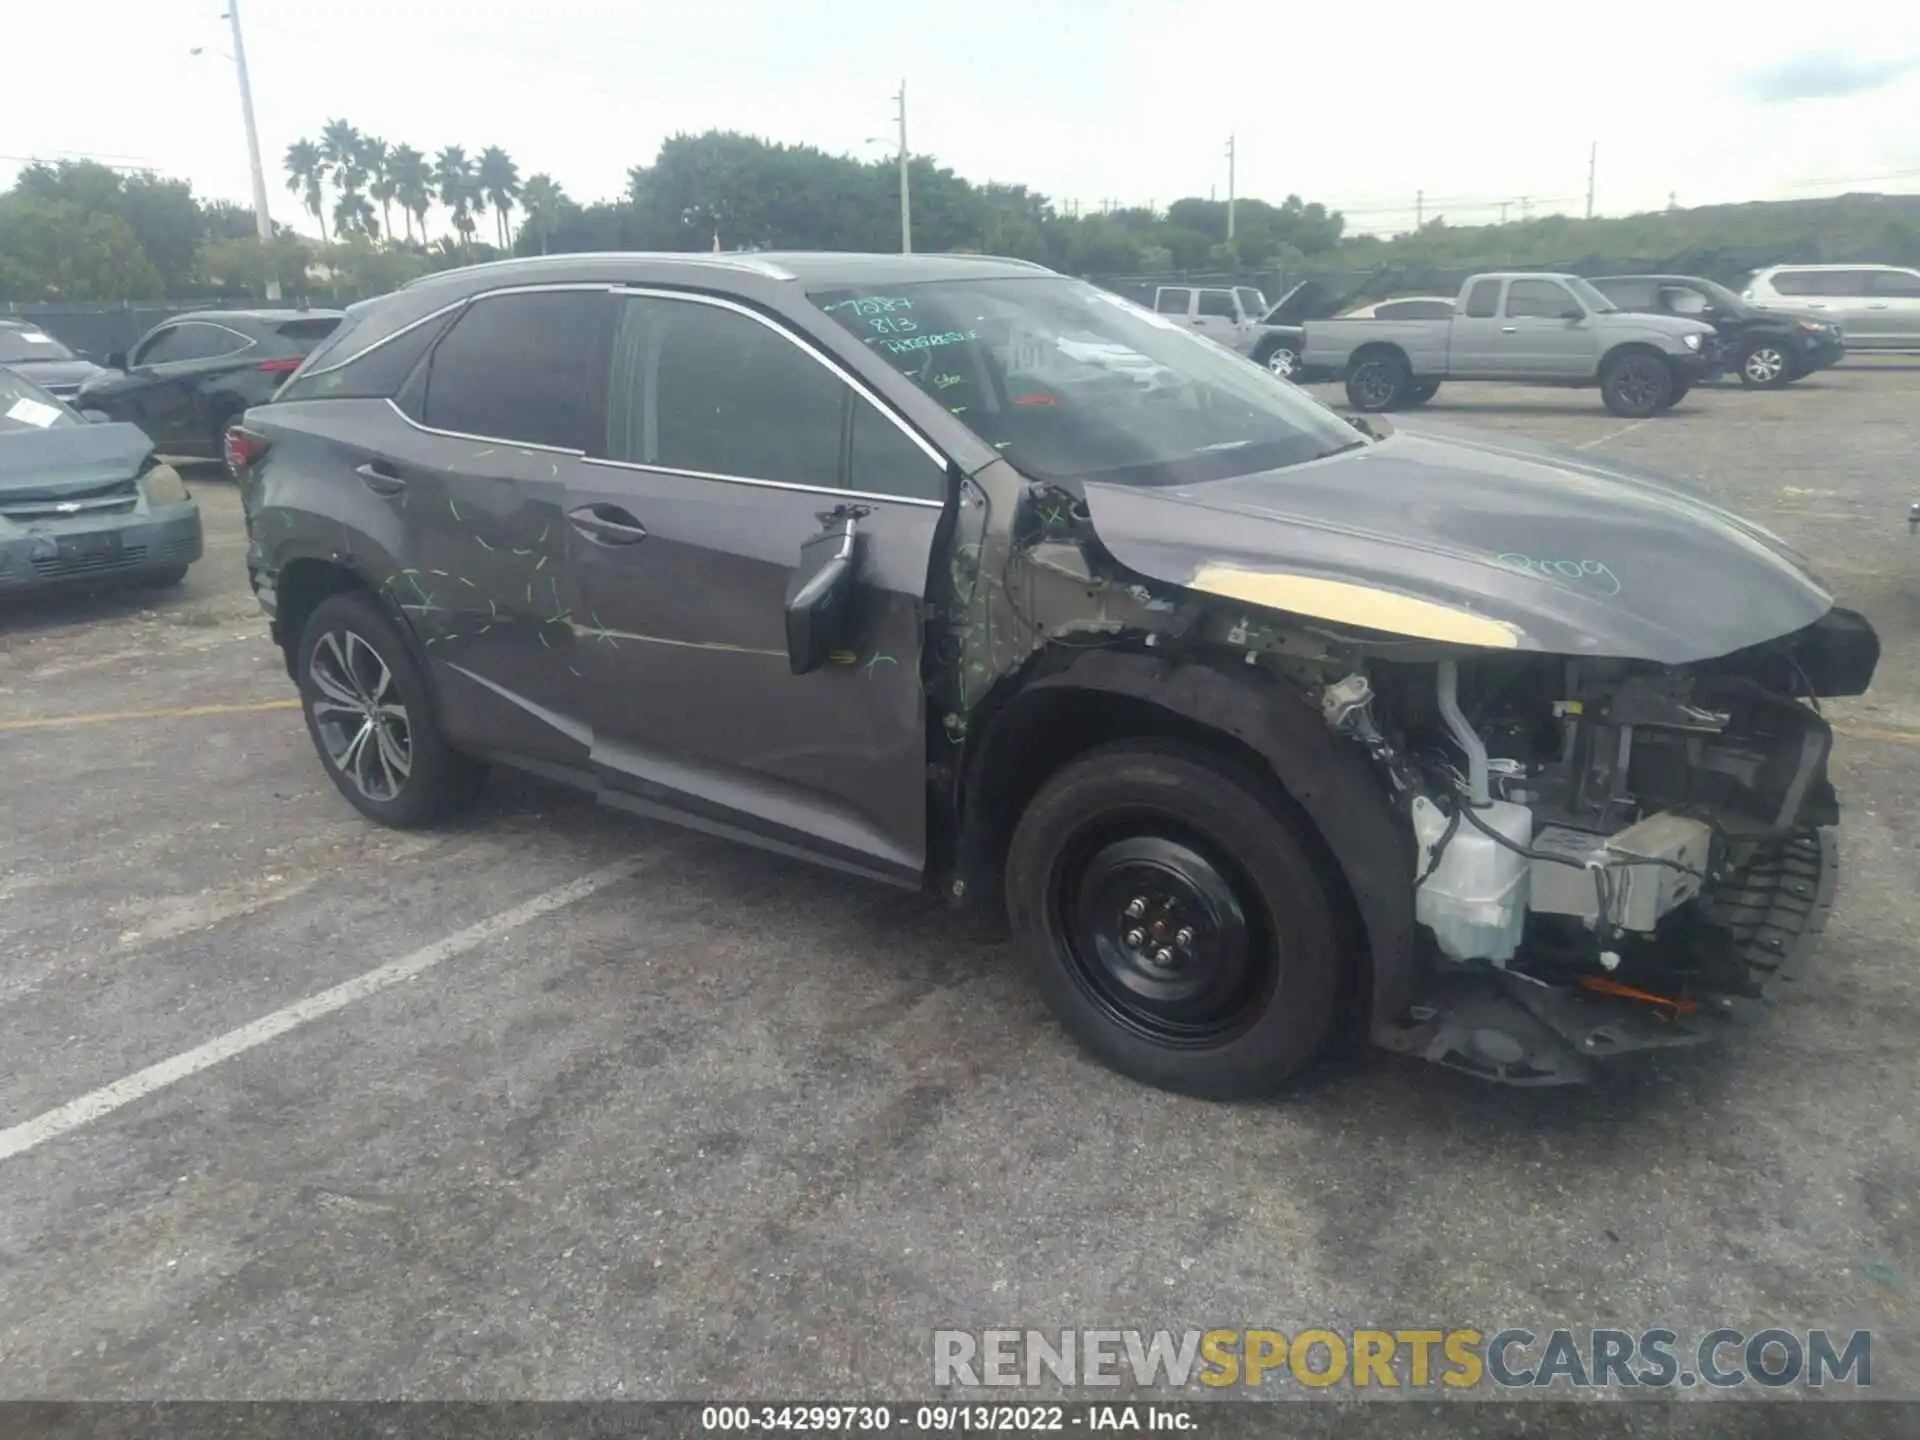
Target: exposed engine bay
<point>1606,855</point>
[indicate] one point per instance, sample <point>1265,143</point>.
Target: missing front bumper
<point>1507,1027</point>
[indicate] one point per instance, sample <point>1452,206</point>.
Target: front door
<point>1216,315</point>
<point>1544,333</point>
<point>729,442</point>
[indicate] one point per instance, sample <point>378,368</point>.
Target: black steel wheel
<point>1377,382</point>
<point>1179,927</point>
<point>1637,385</point>
<point>370,714</point>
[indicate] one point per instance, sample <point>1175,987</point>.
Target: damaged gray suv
<point>957,573</point>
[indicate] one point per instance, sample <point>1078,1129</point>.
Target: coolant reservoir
<point>1475,901</point>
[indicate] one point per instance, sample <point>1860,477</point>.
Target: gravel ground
<point>723,1125</point>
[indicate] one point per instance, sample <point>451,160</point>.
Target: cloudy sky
<point>1473,103</point>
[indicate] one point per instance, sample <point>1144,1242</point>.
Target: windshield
<point>1720,297</point>
<point>25,406</point>
<point>1589,296</point>
<point>1070,382</point>
<point>26,345</point>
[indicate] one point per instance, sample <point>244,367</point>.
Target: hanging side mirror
<point>820,594</point>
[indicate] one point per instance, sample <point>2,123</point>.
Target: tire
<point>1280,358</point>
<point>163,579</point>
<point>1636,385</point>
<point>1172,836</point>
<point>411,778</point>
<point>1377,382</point>
<point>1678,393</point>
<point>1767,365</point>
<point>1419,393</point>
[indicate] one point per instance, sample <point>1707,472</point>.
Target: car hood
<point>1662,324</point>
<point>70,459</point>
<point>56,372</point>
<point>1448,535</point>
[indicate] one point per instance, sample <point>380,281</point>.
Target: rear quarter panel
<point>1332,343</point>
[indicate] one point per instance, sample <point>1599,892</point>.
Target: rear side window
<point>1903,283</point>
<point>374,374</point>
<point>304,335</point>
<point>517,367</point>
<point>1483,301</point>
<point>1173,302</point>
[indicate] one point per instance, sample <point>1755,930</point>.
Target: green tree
<point>340,148</point>
<point>542,199</point>
<point>306,171</point>
<point>499,181</point>
<point>413,183</point>
<point>233,265</point>
<point>453,176</point>
<point>52,249</point>
<point>376,158</point>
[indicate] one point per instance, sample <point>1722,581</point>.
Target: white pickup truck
<point>1527,328</point>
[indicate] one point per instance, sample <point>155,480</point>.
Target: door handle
<point>1509,329</point>
<point>608,524</point>
<point>380,479</point>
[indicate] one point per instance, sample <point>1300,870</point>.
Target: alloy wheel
<point>1641,385</point>
<point>1764,365</point>
<point>1282,362</point>
<point>357,711</point>
<point>1158,934</point>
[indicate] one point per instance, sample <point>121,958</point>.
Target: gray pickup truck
<point>1528,328</point>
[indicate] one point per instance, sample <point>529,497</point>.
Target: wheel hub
<point>1157,933</point>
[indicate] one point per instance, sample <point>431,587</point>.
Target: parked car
<point>1532,328</point>
<point>1877,306</point>
<point>1255,719</point>
<point>1239,318</point>
<point>28,350</point>
<point>190,377</point>
<point>85,503</point>
<point>1766,348</point>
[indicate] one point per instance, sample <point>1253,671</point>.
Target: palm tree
<point>376,156</point>
<point>412,186</point>
<point>304,164</point>
<point>352,213</point>
<point>542,198</point>
<point>500,182</point>
<point>340,148</point>
<point>454,177</point>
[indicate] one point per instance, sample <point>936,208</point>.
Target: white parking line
<point>1610,435</point>
<point>104,1101</point>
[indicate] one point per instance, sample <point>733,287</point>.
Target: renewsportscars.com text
<point>1515,1358</point>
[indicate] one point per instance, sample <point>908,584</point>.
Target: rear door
<point>1537,340</point>
<point>728,439</point>
<point>495,422</point>
<point>1471,352</point>
<point>1845,296</point>
<point>1894,299</point>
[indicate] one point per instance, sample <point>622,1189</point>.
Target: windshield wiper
<point>1343,449</point>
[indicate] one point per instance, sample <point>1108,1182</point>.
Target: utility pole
<point>1230,191</point>
<point>1503,210</point>
<point>1593,155</point>
<point>1526,207</point>
<point>1419,208</point>
<point>906,201</point>
<point>263,225</point>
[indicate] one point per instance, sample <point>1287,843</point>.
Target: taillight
<point>244,448</point>
<point>279,367</point>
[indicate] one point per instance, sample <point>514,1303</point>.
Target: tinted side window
<point>158,348</point>
<point>703,388</point>
<point>375,374</point>
<point>1903,283</point>
<point>886,462</point>
<point>1794,282</point>
<point>196,341</point>
<point>517,367</point>
<point>1483,301</point>
<point>1538,299</point>
<point>1172,302</point>
<point>1218,302</point>
<point>1847,282</point>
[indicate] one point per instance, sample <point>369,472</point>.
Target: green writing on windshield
<point>928,342</point>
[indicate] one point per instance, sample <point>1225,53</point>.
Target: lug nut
<point>1183,937</point>
<point>1136,907</point>
<point>1163,956</point>
<point>1135,939</point>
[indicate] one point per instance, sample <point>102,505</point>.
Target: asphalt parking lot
<point>710,1123</point>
